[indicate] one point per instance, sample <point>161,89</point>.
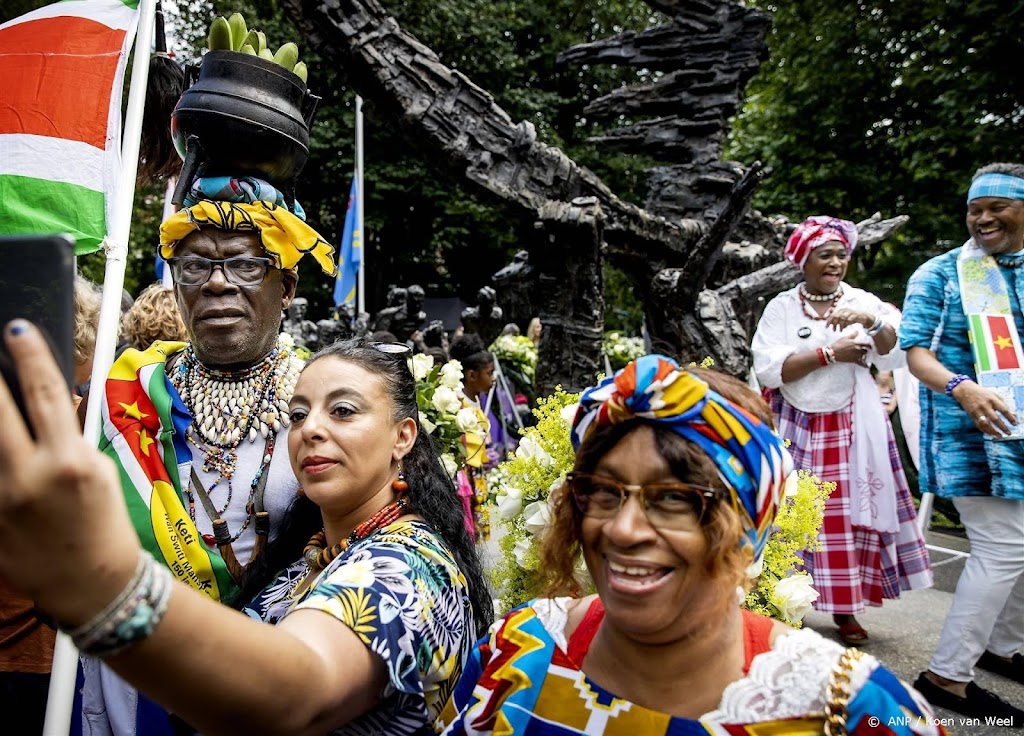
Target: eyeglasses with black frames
<point>673,506</point>
<point>239,270</point>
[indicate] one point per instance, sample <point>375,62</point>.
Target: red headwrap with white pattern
<point>818,230</point>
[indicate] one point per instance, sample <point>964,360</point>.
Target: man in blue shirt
<point>972,448</point>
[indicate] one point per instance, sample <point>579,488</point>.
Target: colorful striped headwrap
<point>283,236</point>
<point>752,460</point>
<point>996,185</point>
<point>818,230</point>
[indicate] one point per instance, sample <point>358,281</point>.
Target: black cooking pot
<point>242,115</point>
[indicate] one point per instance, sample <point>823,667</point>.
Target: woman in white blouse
<point>813,350</point>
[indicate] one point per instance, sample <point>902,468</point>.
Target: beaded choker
<point>229,405</point>
<point>319,556</point>
<point>820,297</point>
<point>1010,262</point>
<point>834,297</point>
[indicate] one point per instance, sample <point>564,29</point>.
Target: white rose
<point>428,426</point>
<point>511,503</point>
<point>466,420</point>
<point>451,375</point>
<point>448,463</point>
<point>754,568</point>
<point>529,450</point>
<point>792,484</point>
<point>568,413</point>
<point>285,341</point>
<point>521,551</point>
<point>793,596</point>
<point>446,400</point>
<point>420,365</point>
<point>537,517</point>
<point>559,481</point>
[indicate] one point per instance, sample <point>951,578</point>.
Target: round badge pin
<point>803,332</point>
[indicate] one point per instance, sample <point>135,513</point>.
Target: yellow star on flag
<point>1003,342</point>
<point>132,411</point>
<point>144,442</point>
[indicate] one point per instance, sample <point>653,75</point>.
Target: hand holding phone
<point>37,275</point>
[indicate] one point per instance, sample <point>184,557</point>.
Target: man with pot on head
<point>972,444</point>
<point>194,426</point>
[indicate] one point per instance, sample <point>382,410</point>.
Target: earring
<point>399,484</point>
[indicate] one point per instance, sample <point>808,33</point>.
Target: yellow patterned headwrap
<point>282,235</point>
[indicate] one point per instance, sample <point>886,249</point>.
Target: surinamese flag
<point>144,426</point>
<point>63,69</point>
<point>350,257</point>
<point>995,342</point>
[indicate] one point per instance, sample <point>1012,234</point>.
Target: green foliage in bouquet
<point>522,486</point>
<point>621,349</point>
<point>518,357</point>
<point>780,590</point>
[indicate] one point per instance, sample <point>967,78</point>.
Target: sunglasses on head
<point>392,348</point>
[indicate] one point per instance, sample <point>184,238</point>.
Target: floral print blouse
<point>404,596</point>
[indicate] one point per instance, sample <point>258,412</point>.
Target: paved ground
<point>904,632</point>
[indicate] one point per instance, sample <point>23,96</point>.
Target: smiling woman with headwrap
<point>813,350</point>
<point>673,493</point>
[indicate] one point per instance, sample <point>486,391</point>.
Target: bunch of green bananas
<point>232,35</point>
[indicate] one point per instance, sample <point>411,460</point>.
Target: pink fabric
<point>466,495</point>
<point>816,231</point>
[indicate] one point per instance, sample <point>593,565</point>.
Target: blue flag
<point>350,257</point>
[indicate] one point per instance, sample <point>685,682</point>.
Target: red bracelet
<point>821,357</point>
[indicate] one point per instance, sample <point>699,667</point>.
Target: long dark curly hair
<point>431,491</point>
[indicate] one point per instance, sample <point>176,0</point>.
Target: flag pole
<point>60,699</point>
<point>360,277</point>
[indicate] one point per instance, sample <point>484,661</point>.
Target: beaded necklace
<point>1010,262</point>
<point>805,297</point>
<point>318,556</point>
<point>227,407</point>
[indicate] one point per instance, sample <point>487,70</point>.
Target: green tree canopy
<point>882,105</point>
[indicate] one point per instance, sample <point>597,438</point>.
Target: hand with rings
<point>986,409</point>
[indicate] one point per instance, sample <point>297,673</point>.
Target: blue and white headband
<point>997,185</point>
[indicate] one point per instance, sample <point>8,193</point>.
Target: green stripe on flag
<point>38,206</point>
<point>979,341</point>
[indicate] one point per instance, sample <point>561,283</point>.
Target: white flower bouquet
<point>443,414</point>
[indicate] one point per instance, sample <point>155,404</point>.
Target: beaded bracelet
<point>876,326</point>
<point>830,355</point>
<point>821,357</point>
<point>954,382</point>
<point>131,616</point>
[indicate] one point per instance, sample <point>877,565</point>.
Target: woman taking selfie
<point>673,492</point>
<point>372,627</point>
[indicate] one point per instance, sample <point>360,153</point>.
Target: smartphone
<point>37,278</point>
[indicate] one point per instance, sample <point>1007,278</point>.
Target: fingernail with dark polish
<point>18,327</point>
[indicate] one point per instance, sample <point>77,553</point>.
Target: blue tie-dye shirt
<point>957,459</point>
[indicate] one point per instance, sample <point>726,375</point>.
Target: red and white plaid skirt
<point>856,566</point>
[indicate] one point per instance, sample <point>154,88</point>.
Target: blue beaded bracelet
<point>954,382</point>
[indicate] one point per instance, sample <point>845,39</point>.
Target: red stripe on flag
<point>1002,343</point>
<point>58,74</point>
<point>130,393</point>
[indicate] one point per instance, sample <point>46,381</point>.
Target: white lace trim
<point>787,682</point>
